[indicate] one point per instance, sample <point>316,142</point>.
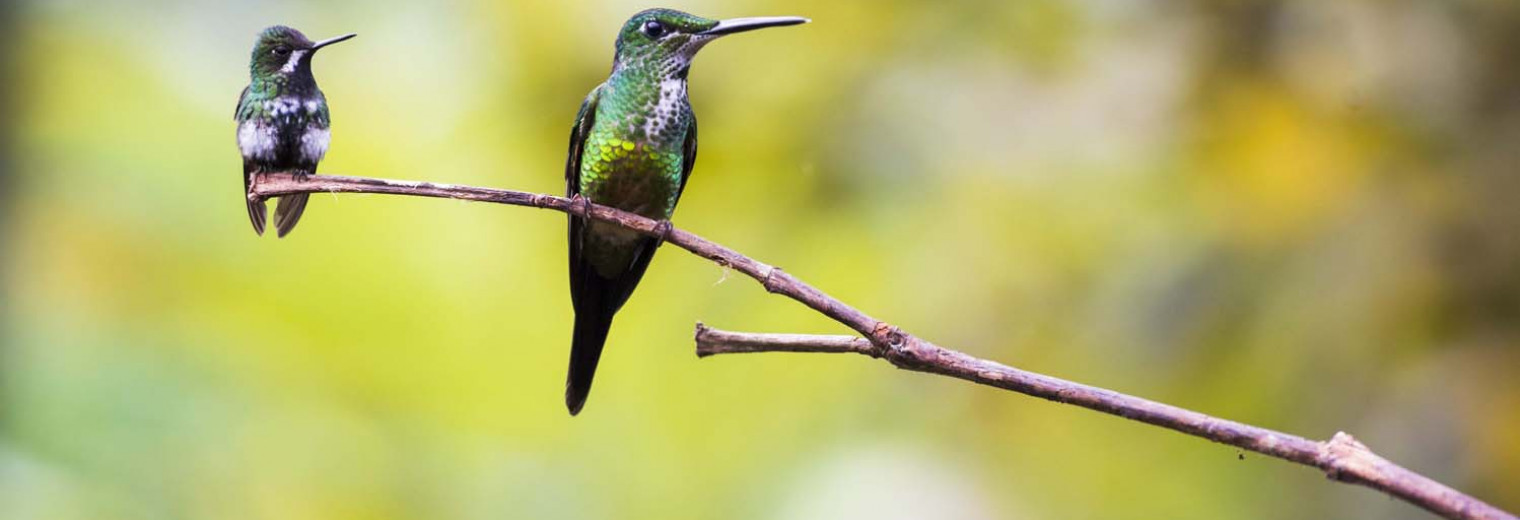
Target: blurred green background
<point>1297,214</point>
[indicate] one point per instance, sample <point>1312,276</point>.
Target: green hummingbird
<point>632,147</point>
<point>282,118</point>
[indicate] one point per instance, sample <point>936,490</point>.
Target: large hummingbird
<point>282,118</point>
<point>632,147</point>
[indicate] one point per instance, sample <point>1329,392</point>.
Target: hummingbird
<point>632,147</point>
<point>282,118</point>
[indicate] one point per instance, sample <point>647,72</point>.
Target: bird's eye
<point>281,50</point>
<point>654,29</point>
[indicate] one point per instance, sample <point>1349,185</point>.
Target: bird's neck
<point>652,70</point>
<point>646,107</point>
<point>298,83</point>
<point>640,85</point>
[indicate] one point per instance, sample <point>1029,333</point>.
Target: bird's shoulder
<point>242,112</point>
<point>585,118</point>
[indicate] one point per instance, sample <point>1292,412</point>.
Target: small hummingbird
<point>282,118</point>
<point>632,147</point>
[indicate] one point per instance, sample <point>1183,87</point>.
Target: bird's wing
<point>584,119</point>
<point>237,112</point>
<point>590,294</point>
<point>688,155</point>
<point>256,212</point>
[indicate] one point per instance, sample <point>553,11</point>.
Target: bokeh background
<point>1293,213</point>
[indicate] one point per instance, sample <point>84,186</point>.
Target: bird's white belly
<point>314,143</point>
<point>257,140</point>
<point>261,141</point>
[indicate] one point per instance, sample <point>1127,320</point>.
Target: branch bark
<point>1342,458</point>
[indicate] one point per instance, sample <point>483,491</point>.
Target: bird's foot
<point>580,206</point>
<point>300,175</point>
<point>662,230</point>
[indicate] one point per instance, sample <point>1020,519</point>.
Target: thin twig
<point>712,341</point>
<point>1341,458</point>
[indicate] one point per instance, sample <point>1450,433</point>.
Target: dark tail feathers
<point>591,326</point>
<point>257,215</point>
<point>596,300</point>
<point>288,212</point>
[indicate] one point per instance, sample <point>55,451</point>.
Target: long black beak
<point>331,41</point>
<point>735,25</point>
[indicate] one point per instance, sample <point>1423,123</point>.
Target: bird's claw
<point>662,230</point>
<point>580,206</point>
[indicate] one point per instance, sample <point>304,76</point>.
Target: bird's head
<point>284,52</point>
<point>665,40</point>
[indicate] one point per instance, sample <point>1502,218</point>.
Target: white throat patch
<point>295,58</point>
<point>667,109</point>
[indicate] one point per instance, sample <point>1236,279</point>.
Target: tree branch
<point>1341,458</point>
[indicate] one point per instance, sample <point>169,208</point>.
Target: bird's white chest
<point>292,108</point>
<point>667,109</point>
<point>263,139</point>
<point>258,140</point>
<point>314,143</point>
